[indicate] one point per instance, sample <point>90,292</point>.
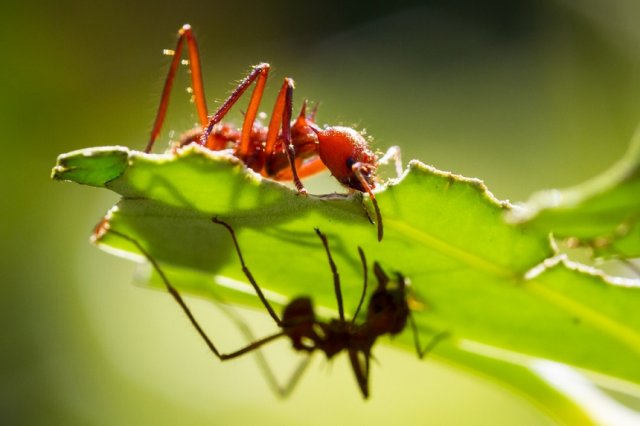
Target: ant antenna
<point>336,275</point>
<point>363,259</point>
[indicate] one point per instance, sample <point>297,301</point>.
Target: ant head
<point>298,311</point>
<point>346,154</point>
<point>298,320</point>
<point>388,309</point>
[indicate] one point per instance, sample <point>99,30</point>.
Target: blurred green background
<point>523,94</point>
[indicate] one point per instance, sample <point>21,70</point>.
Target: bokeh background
<point>523,94</point>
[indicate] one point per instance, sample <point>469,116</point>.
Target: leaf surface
<point>473,275</point>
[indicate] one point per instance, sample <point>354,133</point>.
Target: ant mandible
<point>387,313</point>
<point>284,150</point>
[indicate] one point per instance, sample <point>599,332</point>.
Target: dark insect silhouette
<point>283,150</point>
<point>387,314</point>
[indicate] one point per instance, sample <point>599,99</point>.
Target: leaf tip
<point>91,166</point>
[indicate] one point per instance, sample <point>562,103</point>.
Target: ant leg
<point>184,35</point>
<point>240,324</point>
<point>262,362</point>
<point>361,371</point>
<point>309,168</point>
<point>435,340</point>
<point>277,116</point>
<point>259,74</point>
<point>364,287</point>
<point>357,170</point>
<point>293,381</point>
<point>336,276</point>
<point>394,154</point>
<point>247,273</point>
<point>176,295</point>
<point>281,116</point>
<point>251,347</point>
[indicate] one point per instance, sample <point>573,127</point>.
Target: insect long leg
<point>360,369</point>
<point>263,364</point>
<point>240,324</point>
<point>364,286</point>
<point>308,168</point>
<point>251,347</point>
<point>176,295</point>
<point>259,74</point>
<point>281,116</point>
<point>291,383</point>
<point>185,35</point>
<point>336,275</point>
<point>248,274</point>
<point>433,342</point>
<point>357,170</point>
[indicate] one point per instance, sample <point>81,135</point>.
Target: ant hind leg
<point>292,382</point>
<point>435,340</point>
<point>185,35</point>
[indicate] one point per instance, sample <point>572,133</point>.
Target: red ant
<point>284,150</point>
<point>387,313</point>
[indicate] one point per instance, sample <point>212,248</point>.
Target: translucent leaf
<point>488,283</point>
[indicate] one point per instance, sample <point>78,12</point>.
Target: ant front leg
<point>248,274</point>
<point>263,365</point>
<point>281,116</point>
<point>185,35</point>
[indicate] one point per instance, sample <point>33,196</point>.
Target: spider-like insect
<point>285,149</point>
<point>387,314</point>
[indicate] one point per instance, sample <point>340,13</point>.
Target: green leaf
<point>94,166</point>
<point>481,279</point>
<point>598,213</point>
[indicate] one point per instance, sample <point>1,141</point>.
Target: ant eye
<point>350,162</point>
